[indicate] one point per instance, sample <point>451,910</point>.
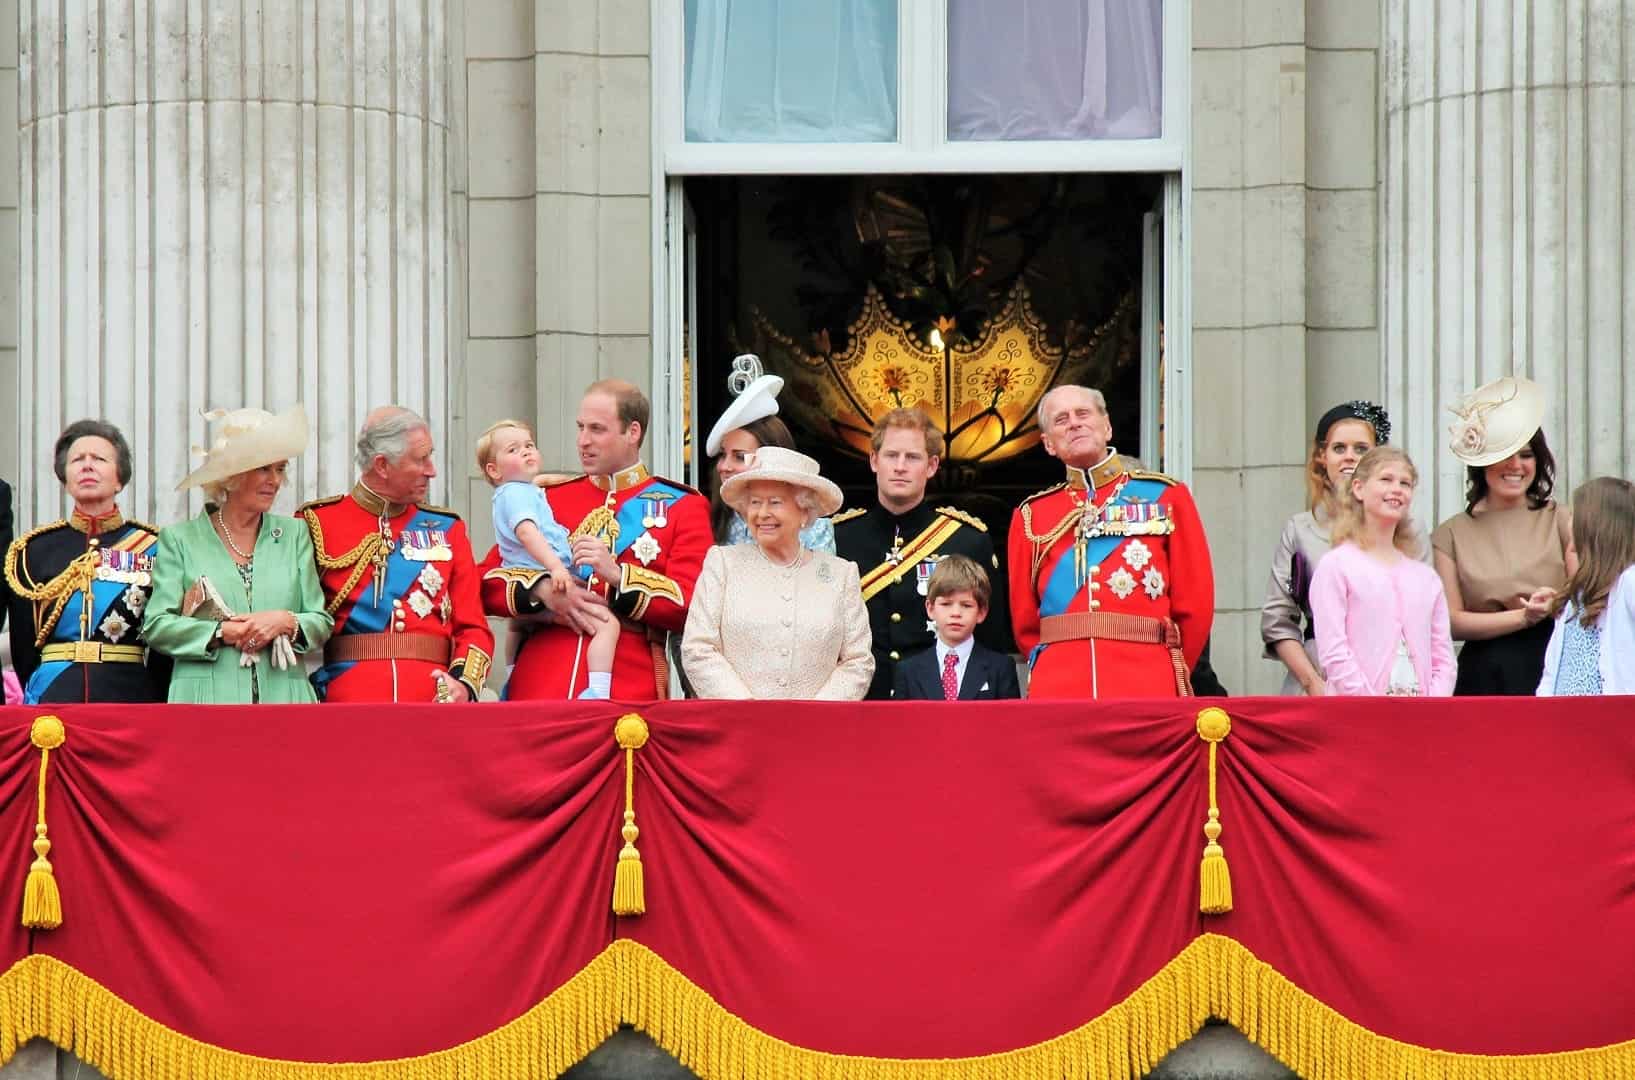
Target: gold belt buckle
<point>87,652</point>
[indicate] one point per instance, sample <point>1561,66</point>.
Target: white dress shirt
<point>963,652</point>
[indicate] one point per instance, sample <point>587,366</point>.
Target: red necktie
<point>950,677</point>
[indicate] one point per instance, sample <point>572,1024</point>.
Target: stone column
<point>228,203</point>
<point>1509,241</point>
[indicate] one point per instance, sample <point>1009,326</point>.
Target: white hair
<point>1044,402</point>
<point>807,500</point>
<point>387,435</point>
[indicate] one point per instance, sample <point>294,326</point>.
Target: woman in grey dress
<point>1344,434</point>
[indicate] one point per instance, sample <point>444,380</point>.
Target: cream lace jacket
<point>757,630</point>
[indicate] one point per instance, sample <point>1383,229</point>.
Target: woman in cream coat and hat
<point>771,619</point>
<point>251,570</point>
<point>1505,556</point>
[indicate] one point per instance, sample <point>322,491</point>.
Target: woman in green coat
<point>237,599</point>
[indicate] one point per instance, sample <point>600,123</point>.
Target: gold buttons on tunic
<point>895,655</point>
<point>896,616</point>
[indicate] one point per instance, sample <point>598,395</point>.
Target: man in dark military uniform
<point>897,541</point>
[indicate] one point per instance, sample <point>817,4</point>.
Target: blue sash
<point>634,509</point>
<point>1063,585</point>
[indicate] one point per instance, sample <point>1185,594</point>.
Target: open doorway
<point>968,296</point>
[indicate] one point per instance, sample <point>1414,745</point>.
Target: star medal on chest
<point>894,555</point>
<point>645,548</point>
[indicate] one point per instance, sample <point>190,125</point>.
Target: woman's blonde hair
<point>216,494</point>
<point>1348,517</point>
<point>1604,536</point>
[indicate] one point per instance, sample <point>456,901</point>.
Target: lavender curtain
<point>1055,69</point>
<point>791,70</point>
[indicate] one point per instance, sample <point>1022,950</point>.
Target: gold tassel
<point>42,905</point>
<point>1214,878</point>
<point>629,897</point>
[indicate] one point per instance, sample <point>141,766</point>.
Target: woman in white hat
<point>770,619</point>
<point>1506,555</point>
<point>750,422</point>
<point>236,597</point>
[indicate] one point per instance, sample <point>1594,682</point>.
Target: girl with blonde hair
<point>1382,617</point>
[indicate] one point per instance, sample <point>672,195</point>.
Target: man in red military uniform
<point>398,577</point>
<point>643,539</point>
<point>1112,592</point>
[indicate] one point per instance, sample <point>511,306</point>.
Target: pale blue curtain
<point>1055,69</point>
<point>791,70</point>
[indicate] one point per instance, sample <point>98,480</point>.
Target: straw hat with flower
<point>774,463</point>
<point>1496,420</point>
<point>248,439</point>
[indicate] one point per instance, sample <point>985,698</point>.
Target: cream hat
<point>248,439</point>
<point>1496,420</point>
<point>786,467</point>
<point>757,398</point>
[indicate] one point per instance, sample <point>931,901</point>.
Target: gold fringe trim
<point>42,997</point>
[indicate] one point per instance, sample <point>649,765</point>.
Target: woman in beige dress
<point>1505,556</point>
<point>770,619</point>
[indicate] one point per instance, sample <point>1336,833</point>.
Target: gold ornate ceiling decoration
<point>982,393</point>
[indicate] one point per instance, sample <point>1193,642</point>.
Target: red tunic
<point>663,534</point>
<point>429,585</point>
<point>1159,575</point>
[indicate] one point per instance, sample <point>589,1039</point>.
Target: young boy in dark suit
<point>956,668</point>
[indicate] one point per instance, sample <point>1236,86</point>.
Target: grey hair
<point>387,435</point>
<point>1039,413</point>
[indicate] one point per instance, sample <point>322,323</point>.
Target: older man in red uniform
<point>1112,592</point>
<point>643,536</point>
<point>398,577</point>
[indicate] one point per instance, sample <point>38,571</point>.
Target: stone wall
<point>1283,275</point>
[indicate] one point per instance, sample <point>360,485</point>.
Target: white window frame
<point>921,147</point>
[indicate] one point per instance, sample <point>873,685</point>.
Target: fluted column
<point>1509,241</point>
<point>225,203</point>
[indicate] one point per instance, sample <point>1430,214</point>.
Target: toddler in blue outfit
<point>530,537</point>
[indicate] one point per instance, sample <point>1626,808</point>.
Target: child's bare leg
<point>599,660</point>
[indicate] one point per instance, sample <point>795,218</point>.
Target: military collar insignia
<point>623,480</point>
<point>376,504</point>
<point>91,526</point>
<point>1098,476</point>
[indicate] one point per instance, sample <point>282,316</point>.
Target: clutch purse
<point>203,601</point>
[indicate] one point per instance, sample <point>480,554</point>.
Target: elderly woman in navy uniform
<point>79,586</point>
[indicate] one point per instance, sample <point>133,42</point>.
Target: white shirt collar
<point>963,651</point>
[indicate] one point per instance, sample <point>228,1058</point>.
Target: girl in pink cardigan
<point>1381,615</point>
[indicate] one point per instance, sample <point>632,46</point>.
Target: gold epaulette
<point>847,515</point>
<point>961,516</point>
<point>316,503</point>
<point>154,529</point>
<point>1147,474</point>
<point>1046,491</point>
<point>455,514</point>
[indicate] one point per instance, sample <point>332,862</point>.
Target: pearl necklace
<point>800,553</point>
<point>227,535</point>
